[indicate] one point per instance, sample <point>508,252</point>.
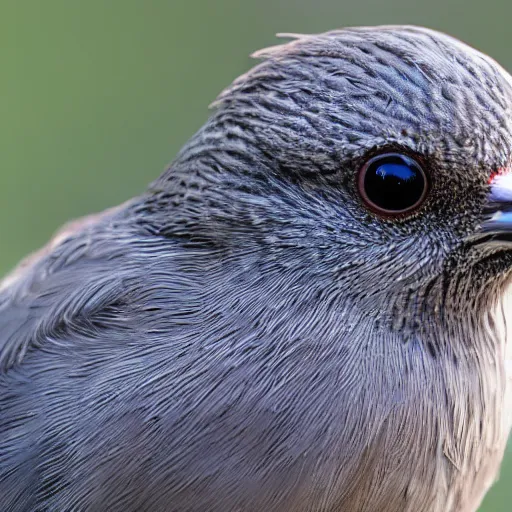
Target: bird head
<point>370,164</point>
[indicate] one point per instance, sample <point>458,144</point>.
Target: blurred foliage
<point>96,97</point>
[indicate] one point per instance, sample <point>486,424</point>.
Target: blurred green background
<point>97,96</point>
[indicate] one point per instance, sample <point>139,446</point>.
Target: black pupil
<point>394,182</point>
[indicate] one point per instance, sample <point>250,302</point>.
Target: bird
<point>308,311</point>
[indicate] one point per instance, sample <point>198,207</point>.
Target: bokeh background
<point>97,96</point>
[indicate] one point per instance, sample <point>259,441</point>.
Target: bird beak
<point>497,223</point>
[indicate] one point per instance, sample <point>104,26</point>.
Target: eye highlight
<point>392,184</point>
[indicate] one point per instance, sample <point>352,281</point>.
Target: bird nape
<point>308,311</point>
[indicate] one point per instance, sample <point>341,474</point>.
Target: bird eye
<point>392,184</point>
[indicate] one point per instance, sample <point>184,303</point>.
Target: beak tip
<point>499,209</point>
<point>501,189</point>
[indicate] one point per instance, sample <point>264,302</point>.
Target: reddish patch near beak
<point>499,172</point>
